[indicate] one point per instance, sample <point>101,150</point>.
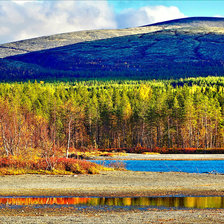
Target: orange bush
<point>60,165</point>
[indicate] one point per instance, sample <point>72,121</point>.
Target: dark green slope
<point>173,49</point>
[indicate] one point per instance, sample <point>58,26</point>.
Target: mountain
<point>172,49</point>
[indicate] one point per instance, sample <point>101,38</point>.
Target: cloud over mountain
<point>21,20</point>
<point>27,19</point>
<point>147,15</point>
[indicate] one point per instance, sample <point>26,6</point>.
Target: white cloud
<point>147,15</point>
<point>217,15</point>
<point>32,18</point>
<point>27,19</point>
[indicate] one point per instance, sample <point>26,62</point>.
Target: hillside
<point>172,49</point>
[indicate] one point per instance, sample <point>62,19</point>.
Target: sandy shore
<point>117,217</point>
<point>133,156</point>
<point>114,183</point>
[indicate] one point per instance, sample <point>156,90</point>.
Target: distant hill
<point>193,22</point>
<point>172,49</point>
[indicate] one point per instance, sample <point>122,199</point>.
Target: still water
<point>189,166</point>
<point>124,202</point>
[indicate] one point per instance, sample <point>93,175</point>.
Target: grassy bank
<point>49,166</point>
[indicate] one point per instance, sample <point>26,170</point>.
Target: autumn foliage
<point>40,122</point>
<point>13,165</point>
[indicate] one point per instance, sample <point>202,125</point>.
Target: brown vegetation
<point>51,166</point>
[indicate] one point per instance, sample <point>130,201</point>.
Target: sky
<point>23,19</point>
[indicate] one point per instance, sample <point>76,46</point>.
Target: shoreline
<point>134,156</point>
<point>114,184</point>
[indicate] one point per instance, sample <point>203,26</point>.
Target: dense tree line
<point>42,116</point>
<point>12,69</point>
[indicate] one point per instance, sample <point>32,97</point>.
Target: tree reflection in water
<point>177,202</point>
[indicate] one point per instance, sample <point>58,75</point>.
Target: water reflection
<point>177,202</point>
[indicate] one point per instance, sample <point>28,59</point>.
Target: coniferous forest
<point>61,116</point>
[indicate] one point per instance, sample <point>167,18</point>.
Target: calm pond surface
<point>189,166</point>
<point>125,202</point>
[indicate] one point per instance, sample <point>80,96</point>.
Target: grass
<point>95,153</point>
<point>51,166</point>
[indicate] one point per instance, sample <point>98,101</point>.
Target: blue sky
<point>188,7</point>
<point>22,19</point>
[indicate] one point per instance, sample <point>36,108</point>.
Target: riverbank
<point>114,183</point>
<point>134,156</point>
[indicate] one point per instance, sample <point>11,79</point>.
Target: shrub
<point>13,165</point>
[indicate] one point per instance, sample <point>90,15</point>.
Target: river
<point>188,166</point>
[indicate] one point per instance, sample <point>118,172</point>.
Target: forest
<point>52,119</point>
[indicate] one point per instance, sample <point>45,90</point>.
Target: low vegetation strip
<point>163,150</point>
<point>50,166</point>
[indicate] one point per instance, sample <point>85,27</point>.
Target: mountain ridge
<point>199,21</point>
<point>161,50</point>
